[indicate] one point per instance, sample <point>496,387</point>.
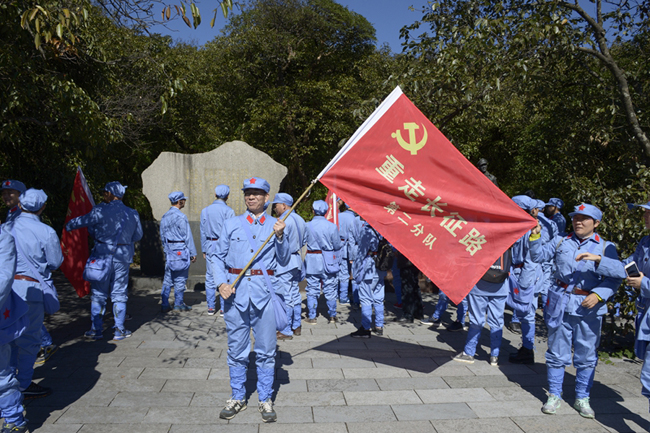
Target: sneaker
<point>182,307</point>
<point>297,331</point>
<point>45,353</point>
<point>398,305</point>
<point>13,428</point>
<point>35,390</point>
<point>166,308</point>
<point>266,409</point>
<point>523,356</point>
<point>221,313</point>
<point>280,336</point>
<point>514,327</point>
<point>463,357</point>
<point>232,408</point>
<point>361,333</point>
<point>311,321</point>
<point>583,407</point>
<point>494,361</point>
<point>211,311</point>
<point>435,323</point>
<point>95,335</point>
<point>552,404</point>
<point>378,331</point>
<point>121,334</point>
<point>455,327</point>
<point>332,319</point>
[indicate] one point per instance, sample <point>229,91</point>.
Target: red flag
<point>75,244</point>
<point>332,214</point>
<point>412,185</point>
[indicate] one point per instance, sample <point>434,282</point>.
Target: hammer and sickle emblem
<point>412,145</point>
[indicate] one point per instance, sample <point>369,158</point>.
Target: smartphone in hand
<point>632,270</point>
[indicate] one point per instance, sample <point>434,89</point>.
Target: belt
<point>574,291</point>
<point>315,252</point>
<point>519,266</point>
<point>213,239</point>
<point>174,242</point>
<point>249,272</point>
<point>25,277</point>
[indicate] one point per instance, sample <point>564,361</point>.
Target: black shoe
<point>523,356</point>
<point>361,333</point>
<point>35,390</point>
<point>13,428</point>
<point>267,411</point>
<point>378,331</point>
<point>455,327</point>
<point>232,408</point>
<point>514,327</point>
<point>405,319</point>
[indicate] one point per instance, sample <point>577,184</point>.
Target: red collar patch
<point>262,219</point>
<point>13,209</point>
<point>597,237</point>
<point>250,219</point>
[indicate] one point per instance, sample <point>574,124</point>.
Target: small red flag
<point>75,244</point>
<point>332,214</point>
<point>413,186</point>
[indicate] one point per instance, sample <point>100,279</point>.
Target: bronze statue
<point>482,165</point>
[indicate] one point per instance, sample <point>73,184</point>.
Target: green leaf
<point>59,31</point>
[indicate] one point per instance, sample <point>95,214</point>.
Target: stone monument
<point>197,175</point>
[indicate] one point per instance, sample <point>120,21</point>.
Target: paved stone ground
<point>171,376</point>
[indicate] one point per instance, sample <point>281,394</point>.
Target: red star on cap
<point>7,183</point>
<point>582,207</point>
<point>253,180</point>
<point>6,313</point>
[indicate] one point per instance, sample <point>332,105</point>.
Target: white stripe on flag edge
<point>365,127</point>
<point>84,184</point>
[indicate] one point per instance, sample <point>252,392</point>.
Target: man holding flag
<point>115,227</point>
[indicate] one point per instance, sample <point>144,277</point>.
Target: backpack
<point>500,270</point>
<point>385,255</point>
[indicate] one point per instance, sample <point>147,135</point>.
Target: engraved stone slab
<point>198,174</point>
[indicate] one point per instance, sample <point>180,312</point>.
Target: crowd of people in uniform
<point>254,264</point>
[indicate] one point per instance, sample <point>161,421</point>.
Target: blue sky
<point>387,16</point>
